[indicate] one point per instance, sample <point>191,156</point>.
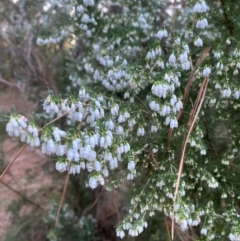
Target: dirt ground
<point>26,175</point>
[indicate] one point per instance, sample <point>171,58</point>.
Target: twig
<point>193,117</point>
<point>21,195</point>
<point>63,196</point>
<point>168,233</point>
<point>116,207</point>
<point>67,179</point>
<point>10,164</point>
<point>59,117</point>
<point>187,89</point>
<point>84,112</point>
<point>3,81</point>
<point>96,200</point>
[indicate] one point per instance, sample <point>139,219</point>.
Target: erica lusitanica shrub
<point>152,95</point>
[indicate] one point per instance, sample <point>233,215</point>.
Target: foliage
<point>145,78</point>
<point>82,229</point>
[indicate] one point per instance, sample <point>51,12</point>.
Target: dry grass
<point>191,122</point>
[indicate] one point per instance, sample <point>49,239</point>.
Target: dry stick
<point>9,83</point>
<point>67,179</point>
<point>187,89</point>
<point>59,117</point>
<point>21,195</point>
<point>184,236</point>
<point>116,207</point>
<point>96,200</point>
<point>10,164</point>
<point>84,112</point>
<point>199,99</point>
<point>168,233</point>
<point>193,118</point>
<point>194,114</point>
<point>192,77</point>
<point>63,196</point>
<point>199,62</point>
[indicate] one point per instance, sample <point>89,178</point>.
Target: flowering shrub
<point>143,83</point>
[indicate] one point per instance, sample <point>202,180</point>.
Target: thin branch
<point>116,207</point>
<point>59,117</point>
<point>63,196</point>
<point>96,200</point>
<point>69,167</point>
<point>192,120</point>
<point>187,89</point>
<point>10,164</point>
<point>21,195</point>
<point>168,233</point>
<point>3,81</point>
<point>84,112</point>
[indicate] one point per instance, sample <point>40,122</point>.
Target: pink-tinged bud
<point>21,130</point>
<point>24,118</point>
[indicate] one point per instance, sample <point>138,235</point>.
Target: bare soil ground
<point>26,174</point>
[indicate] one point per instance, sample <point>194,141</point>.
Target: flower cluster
<point>200,7</point>
<point>98,147</point>
<point>19,126</point>
<point>53,40</point>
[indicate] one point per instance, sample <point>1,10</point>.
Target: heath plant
<point>153,95</point>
